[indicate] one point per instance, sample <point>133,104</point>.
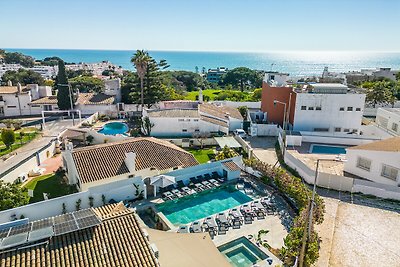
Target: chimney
<point>19,87</point>
<point>130,161</point>
<point>69,146</point>
<point>9,83</point>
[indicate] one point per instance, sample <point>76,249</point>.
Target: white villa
<point>131,159</point>
<point>188,118</point>
<point>377,161</point>
<point>389,119</point>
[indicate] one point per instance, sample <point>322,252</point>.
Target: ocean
<point>294,63</point>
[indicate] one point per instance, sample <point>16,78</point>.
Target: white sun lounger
<point>196,227</point>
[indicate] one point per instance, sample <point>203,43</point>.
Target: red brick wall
<point>282,94</point>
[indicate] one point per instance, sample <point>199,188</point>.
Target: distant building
<point>389,119</point>
<point>320,107</point>
<point>377,161</point>
<point>46,72</point>
<point>188,119</point>
<point>96,68</point>
<point>19,100</point>
<point>215,75</point>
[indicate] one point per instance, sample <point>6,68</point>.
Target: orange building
<point>282,93</point>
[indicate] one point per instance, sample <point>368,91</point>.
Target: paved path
<point>264,149</point>
<point>52,130</point>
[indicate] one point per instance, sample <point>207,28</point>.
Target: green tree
<point>147,125</point>
<point>398,76</point>
<point>50,61</point>
<point>141,61</point>
<point>379,93</point>
<point>63,94</point>
<point>78,73</point>
<point>8,137</point>
<point>225,153</point>
<point>12,196</point>
<point>242,76</point>
<point>23,77</point>
<point>18,58</point>
<point>87,84</point>
<point>257,94</point>
<point>243,111</point>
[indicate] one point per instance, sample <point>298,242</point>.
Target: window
<point>395,126</point>
<point>346,130</point>
<point>389,172</point>
<point>181,120</point>
<point>349,108</point>
<point>303,107</point>
<point>341,109</point>
<point>364,164</point>
<point>11,106</point>
<point>338,129</point>
<point>197,130</point>
<point>317,108</point>
<point>1,98</point>
<point>321,129</point>
<point>196,120</point>
<point>184,130</point>
<point>358,109</point>
<point>187,119</point>
<point>35,106</point>
<point>310,108</point>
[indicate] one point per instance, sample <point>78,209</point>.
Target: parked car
<point>241,133</point>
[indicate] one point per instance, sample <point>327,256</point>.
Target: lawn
<point>211,93</point>
<point>202,155</point>
<point>26,138</point>
<point>52,184</point>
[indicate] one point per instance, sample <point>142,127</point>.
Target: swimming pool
<point>197,206</point>
<point>242,253</point>
<point>114,128</point>
<point>324,149</point>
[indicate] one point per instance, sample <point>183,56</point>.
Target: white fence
<point>29,163</point>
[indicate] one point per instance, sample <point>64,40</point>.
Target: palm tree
<point>141,61</point>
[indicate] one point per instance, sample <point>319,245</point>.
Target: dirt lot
<point>355,235</point>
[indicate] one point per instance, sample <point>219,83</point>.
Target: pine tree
<point>63,98</point>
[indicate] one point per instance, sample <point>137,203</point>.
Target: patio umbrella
<point>162,181</point>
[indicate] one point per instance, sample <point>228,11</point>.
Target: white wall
<point>378,158</point>
<point>166,126</point>
<point>264,129</point>
<point>234,104</point>
<point>330,115</point>
<point>386,118</point>
<point>110,110</point>
<point>12,105</point>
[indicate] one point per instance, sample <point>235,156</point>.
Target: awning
<point>162,180</point>
<point>228,141</point>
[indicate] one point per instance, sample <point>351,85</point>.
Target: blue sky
<point>208,25</point>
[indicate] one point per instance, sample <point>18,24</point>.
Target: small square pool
<point>242,253</point>
<point>325,149</point>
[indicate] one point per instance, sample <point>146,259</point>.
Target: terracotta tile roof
<point>50,100</point>
<point>388,145</point>
<point>230,165</point>
<point>95,99</point>
<point>102,161</point>
<point>12,89</point>
<point>182,113</point>
<point>222,112</point>
<point>117,241</point>
<point>214,121</point>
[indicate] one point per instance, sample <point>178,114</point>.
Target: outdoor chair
<point>196,227</point>
<point>248,219</point>
<point>181,184</point>
<point>222,229</point>
<point>236,223</point>
<point>260,215</point>
<point>207,176</point>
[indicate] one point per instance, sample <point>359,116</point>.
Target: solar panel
<point>88,222</point>
<point>14,240</point>
<point>8,225</point>
<point>63,218</point>
<point>42,224</point>
<point>65,227</point>
<point>20,229</point>
<point>41,233</point>
<point>4,233</point>
<point>83,213</point>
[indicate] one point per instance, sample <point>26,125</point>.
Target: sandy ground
<point>355,235</point>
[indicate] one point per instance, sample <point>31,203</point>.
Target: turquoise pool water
<point>322,149</point>
<point>114,128</point>
<point>194,207</point>
<point>242,253</point>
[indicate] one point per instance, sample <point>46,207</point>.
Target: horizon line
<point>212,51</point>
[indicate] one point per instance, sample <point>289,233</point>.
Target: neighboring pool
<point>197,206</point>
<point>324,149</point>
<point>242,253</point>
<point>114,128</point>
